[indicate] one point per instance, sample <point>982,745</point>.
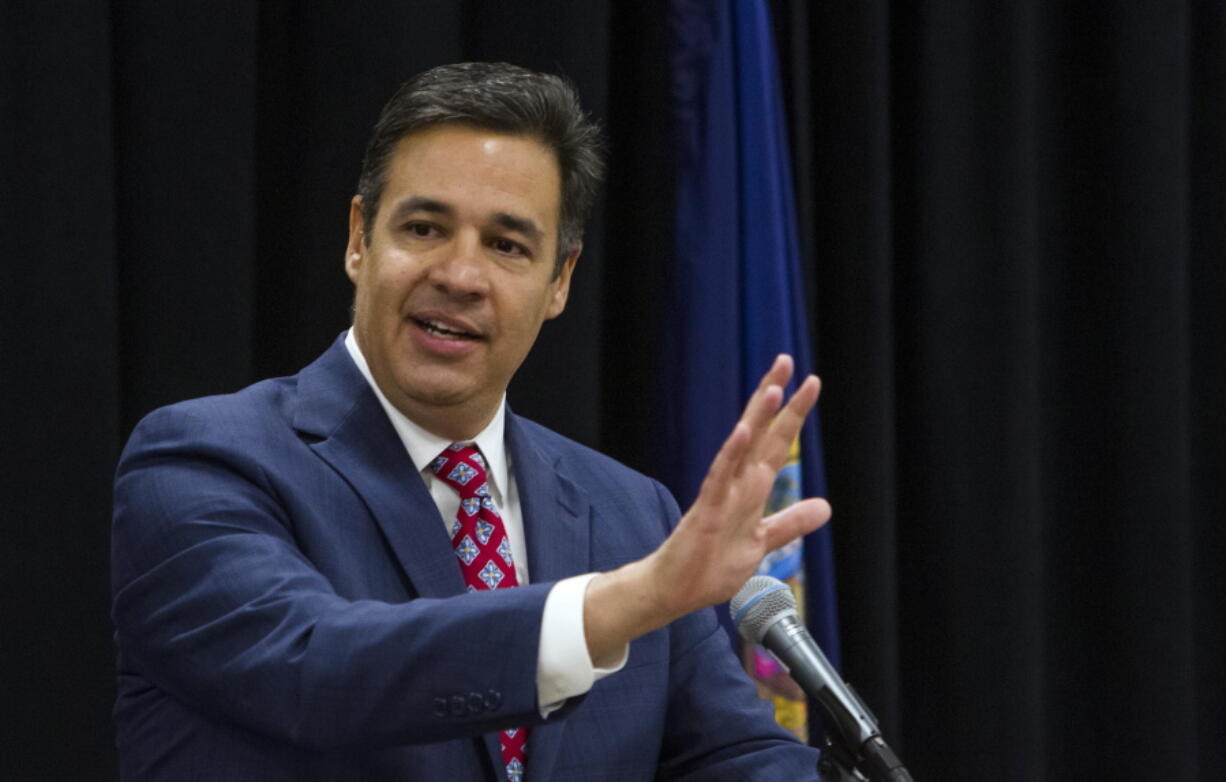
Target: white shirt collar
<point>423,445</point>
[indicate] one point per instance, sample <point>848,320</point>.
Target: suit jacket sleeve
<point>216,604</point>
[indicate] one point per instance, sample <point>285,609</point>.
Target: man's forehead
<point>443,167</point>
<point>490,139</point>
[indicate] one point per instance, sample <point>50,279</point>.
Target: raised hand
<point>721,539</point>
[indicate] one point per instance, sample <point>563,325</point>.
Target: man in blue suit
<point>288,588</point>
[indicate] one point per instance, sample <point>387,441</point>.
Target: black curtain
<point>1013,218</point>
<point>1016,217</point>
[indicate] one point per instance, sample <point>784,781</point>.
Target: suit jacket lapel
<point>336,405</point>
<point>557,525</point>
<point>337,408</point>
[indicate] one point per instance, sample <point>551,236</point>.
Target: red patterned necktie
<point>480,541</point>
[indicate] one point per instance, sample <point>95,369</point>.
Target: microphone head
<point>759,604</point>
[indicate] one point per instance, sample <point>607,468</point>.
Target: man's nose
<point>460,269</point>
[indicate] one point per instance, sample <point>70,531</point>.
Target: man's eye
<point>422,230</point>
<point>508,247</point>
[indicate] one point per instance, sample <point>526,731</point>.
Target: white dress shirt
<point>564,669</point>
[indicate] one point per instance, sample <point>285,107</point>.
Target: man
<point>310,575</point>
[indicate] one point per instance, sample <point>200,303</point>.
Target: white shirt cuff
<point>563,668</point>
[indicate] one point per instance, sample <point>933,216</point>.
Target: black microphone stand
<point>838,764</point>
<point>835,766</point>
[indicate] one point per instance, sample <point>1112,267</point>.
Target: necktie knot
<point>462,467</point>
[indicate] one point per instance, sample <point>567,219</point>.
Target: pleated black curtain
<point>1017,219</point>
<point>1014,220</point>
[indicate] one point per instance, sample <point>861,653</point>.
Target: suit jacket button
<point>476,704</point>
<point>440,707</point>
<point>493,699</point>
<point>457,706</point>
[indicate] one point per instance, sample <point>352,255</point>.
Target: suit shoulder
<point>258,408</point>
<point>582,458</point>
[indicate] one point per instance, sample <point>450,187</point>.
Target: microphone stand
<point>835,766</point>
<point>838,764</point>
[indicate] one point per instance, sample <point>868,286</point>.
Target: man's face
<point>458,272</point>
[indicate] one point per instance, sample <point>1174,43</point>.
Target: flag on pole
<point>737,287</point>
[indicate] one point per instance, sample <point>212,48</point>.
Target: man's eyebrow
<point>519,224</point>
<point>421,204</point>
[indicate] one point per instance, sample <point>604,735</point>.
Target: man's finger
<point>775,446</point>
<point>792,417</point>
<point>799,518</point>
<point>764,403</point>
<point>778,373</point>
<point>726,464</point>
<point>762,408</point>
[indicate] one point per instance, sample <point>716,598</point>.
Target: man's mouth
<point>439,329</point>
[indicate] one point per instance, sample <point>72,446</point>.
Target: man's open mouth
<point>439,329</point>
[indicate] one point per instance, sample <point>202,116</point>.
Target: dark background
<point>1014,216</point>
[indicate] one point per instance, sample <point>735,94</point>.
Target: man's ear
<point>561,284</point>
<point>356,245</point>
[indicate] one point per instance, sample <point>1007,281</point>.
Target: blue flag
<point>737,287</point>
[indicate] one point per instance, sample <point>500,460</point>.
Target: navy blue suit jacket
<point>288,607</point>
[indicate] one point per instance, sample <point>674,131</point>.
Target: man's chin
<point>447,395</point>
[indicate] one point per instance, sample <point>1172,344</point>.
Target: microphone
<point>764,612</point>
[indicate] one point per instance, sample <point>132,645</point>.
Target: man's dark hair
<point>506,99</point>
